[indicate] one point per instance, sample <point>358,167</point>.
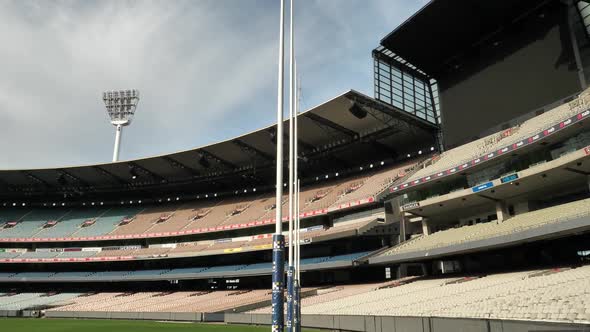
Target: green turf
<point>91,325</point>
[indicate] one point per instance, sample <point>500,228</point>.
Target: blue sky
<point>206,70</point>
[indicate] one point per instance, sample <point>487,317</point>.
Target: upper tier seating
<point>218,214</point>
<point>173,217</point>
<point>69,223</point>
<point>335,193</point>
<point>32,222</point>
<point>249,211</point>
<point>182,216</point>
<point>377,183</point>
<point>147,219</point>
<point>106,222</point>
<point>480,231</point>
<point>485,145</point>
<point>7,215</point>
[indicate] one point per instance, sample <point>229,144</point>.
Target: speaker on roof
<point>357,111</point>
<point>204,162</point>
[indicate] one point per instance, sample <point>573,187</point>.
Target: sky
<point>206,70</point>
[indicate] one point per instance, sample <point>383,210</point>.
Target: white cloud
<point>206,70</point>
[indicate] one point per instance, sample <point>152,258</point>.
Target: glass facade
<point>404,86</point>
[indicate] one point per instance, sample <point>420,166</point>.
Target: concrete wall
<point>10,313</point>
<point>408,324</point>
<point>173,316</point>
<point>333,322</point>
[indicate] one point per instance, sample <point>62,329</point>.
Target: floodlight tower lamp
<point>120,106</point>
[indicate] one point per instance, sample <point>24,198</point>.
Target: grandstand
<point>410,217</point>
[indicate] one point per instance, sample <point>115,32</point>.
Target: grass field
<point>89,325</point>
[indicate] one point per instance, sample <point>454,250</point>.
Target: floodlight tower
<point>121,106</point>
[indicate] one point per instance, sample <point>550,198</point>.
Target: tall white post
<point>278,267</point>
<point>297,314</point>
<point>290,268</point>
<point>118,132</point>
<point>297,238</point>
<point>291,127</point>
<point>297,283</point>
<point>279,184</point>
<point>296,170</point>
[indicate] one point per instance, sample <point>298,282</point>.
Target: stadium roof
<point>331,138</point>
<point>445,29</point>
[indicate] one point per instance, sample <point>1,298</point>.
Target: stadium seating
<point>8,254</point>
<point>329,294</point>
<point>77,254</point>
<point>493,142</point>
<point>557,295</point>
<point>8,214</point>
<point>378,182</point>
<point>517,223</point>
<point>38,254</point>
<point>33,222</point>
<point>106,222</point>
<point>210,301</point>
<point>33,300</point>
<point>146,220</point>
<point>249,211</point>
<point>182,217</point>
<point>344,228</point>
<point>69,223</point>
<point>193,215</point>
<point>193,272</point>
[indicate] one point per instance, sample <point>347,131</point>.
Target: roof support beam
<point>177,164</point>
<point>249,148</point>
<point>6,185</point>
<point>302,144</point>
<point>111,175</point>
<point>65,173</point>
<point>134,165</point>
<point>383,133</point>
<point>330,124</point>
<point>36,179</point>
<point>218,160</point>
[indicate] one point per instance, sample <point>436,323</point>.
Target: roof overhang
<point>330,137</point>
<point>444,29</point>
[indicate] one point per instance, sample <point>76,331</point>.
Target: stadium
<point>457,198</point>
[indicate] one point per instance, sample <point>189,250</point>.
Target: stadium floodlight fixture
<point>121,106</point>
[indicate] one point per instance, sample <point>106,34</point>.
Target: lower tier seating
<point>524,221</point>
<point>557,294</point>
<point>22,301</point>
